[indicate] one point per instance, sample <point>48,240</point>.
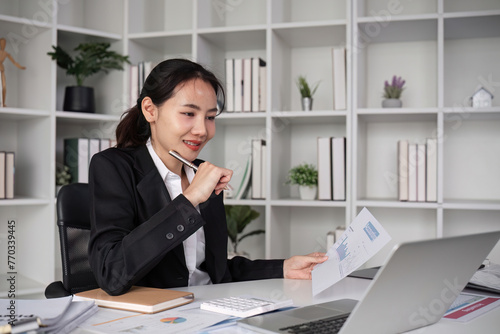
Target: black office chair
<point>73,221</point>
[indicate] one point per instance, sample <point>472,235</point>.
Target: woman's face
<point>185,122</point>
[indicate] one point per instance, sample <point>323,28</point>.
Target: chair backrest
<point>73,221</point>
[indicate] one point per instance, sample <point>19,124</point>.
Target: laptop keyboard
<point>329,325</point>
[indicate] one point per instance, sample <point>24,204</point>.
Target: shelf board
<point>80,117</point>
<point>24,286</point>
<point>391,203</point>
<point>398,114</point>
<point>295,202</point>
<point>157,34</point>
<point>325,35</point>
<point>88,32</point>
<point>474,114</point>
<point>398,18</point>
<point>312,117</point>
<point>23,200</point>
<point>231,40</point>
<point>22,114</point>
<point>24,21</point>
<point>471,14</point>
<point>252,202</point>
<point>471,205</point>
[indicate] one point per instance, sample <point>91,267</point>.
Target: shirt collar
<point>162,169</point>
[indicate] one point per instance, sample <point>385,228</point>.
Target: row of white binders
<point>246,84</point>
<point>417,171</point>
<point>138,74</point>
<point>332,168</point>
<point>79,151</point>
<point>7,168</point>
<point>253,182</point>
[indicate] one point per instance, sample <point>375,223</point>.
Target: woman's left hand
<point>301,266</point>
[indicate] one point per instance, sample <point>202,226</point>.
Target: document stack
<point>52,316</point>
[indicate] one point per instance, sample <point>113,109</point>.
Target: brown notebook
<point>139,299</point>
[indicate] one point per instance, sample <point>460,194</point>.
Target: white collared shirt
<point>194,245</point>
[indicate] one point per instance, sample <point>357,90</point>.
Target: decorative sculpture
<point>3,55</point>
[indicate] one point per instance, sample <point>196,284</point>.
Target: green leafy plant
<point>394,89</point>
<point>238,217</point>
<point>63,176</point>
<point>91,58</point>
<point>305,89</point>
<point>303,175</point>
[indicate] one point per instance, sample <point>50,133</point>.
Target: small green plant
<point>91,58</point>
<point>238,217</point>
<point>305,89</point>
<point>394,89</point>
<point>63,177</point>
<point>303,175</point>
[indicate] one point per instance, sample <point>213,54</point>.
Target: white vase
<point>308,192</point>
<point>392,103</point>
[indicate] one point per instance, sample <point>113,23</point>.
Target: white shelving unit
<point>444,49</point>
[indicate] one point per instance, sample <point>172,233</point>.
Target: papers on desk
<point>488,277</point>
<point>179,321</point>
<point>363,238</point>
<point>56,315</point>
<point>468,306</point>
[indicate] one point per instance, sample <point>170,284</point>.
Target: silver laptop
<point>415,287</point>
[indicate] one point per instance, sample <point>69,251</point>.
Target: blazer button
<point>180,228</point>
<point>192,220</point>
<point>170,236</point>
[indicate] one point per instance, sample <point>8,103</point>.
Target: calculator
<point>244,306</point>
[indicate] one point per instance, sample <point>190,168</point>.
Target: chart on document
<point>364,237</point>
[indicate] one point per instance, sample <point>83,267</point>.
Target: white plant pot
<point>308,192</point>
<point>392,103</point>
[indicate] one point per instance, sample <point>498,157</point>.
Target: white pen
<point>190,164</point>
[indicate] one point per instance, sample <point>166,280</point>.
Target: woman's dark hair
<point>133,129</point>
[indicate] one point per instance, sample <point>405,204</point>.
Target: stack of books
<point>77,155</point>
<point>246,84</point>
<point>331,168</point>
<point>7,168</point>
<point>253,182</point>
<point>417,171</point>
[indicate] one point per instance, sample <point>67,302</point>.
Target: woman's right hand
<point>208,178</point>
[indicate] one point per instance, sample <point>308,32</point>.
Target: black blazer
<point>138,230</point>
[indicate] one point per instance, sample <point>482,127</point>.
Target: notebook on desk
<point>414,288</point>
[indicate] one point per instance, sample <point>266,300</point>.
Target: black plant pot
<point>79,98</point>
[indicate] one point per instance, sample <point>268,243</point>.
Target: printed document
<point>363,238</point>
<point>468,306</point>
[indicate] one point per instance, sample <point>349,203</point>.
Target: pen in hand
<point>189,164</point>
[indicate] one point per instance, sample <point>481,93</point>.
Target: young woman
<point>155,222</point>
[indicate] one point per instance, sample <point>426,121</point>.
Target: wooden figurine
<point>3,55</point>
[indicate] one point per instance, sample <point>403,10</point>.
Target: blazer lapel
<point>151,188</point>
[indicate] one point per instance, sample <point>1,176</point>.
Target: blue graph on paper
<point>343,250</point>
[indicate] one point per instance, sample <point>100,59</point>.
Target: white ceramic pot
<point>308,192</point>
<point>392,103</point>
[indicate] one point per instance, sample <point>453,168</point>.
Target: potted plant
<point>90,58</point>
<point>392,93</point>
<point>306,92</point>
<point>237,218</point>
<point>306,177</point>
<point>63,177</point>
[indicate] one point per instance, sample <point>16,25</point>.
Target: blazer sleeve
<point>127,242</point>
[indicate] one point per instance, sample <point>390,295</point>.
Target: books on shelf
<point>339,78</point>
<point>417,171</point>
<point>77,155</point>
<point>258,179</point>
<point>331,168</point>
<point>139,299</point>
<point>244,188</point>
<point>138,74</point>
<point>7,169</point>
<point>245,84</point>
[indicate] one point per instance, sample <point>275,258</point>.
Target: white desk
<point>300,292</point>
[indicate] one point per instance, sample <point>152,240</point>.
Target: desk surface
<point>300,292</point>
